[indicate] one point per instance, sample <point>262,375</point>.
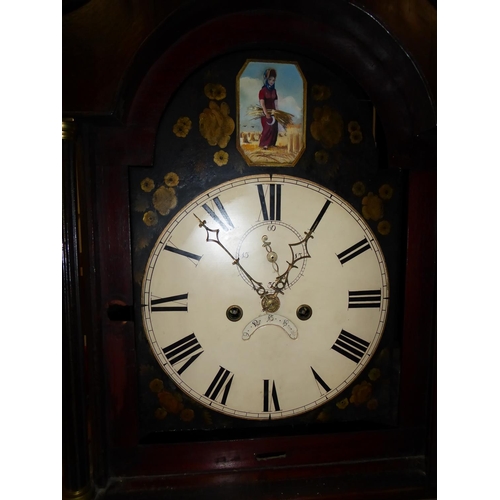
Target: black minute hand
<point>213,235</point>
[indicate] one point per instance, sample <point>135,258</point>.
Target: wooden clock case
<point>101,377</point>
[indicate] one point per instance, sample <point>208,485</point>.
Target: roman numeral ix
<point>185,350</point>
<point>274,192</point>
<point>350,346</point>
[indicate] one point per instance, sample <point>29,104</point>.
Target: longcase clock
<point>261,231</point>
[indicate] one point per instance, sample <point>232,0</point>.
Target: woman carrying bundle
<point>268,98</point>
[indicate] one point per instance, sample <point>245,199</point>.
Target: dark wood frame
<point>394,463</point>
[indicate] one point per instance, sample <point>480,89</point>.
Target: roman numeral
<point>320,216</point>
<point>320,381</point>
<point>174,298</point>
<point>354,251</point>
<point>350,346</point>
<point>221,381</point>
<point>178,251</point>
<point>274,212</point>
<point>270,397</point>
<point>364,298</point>
<point>186,349</point>
<point>223,213</point>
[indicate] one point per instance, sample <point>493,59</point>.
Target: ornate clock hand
<point>272,257</point>
<point>282,280</point>
<point>256,285</point>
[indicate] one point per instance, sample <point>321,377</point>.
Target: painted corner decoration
<point>271,101</point>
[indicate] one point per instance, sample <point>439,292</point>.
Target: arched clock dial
<point>265,297</point>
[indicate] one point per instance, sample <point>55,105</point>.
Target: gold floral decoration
<point>327,126</point>
<point>164,199</point>
<point>358,188</point>
<point>156,385</point>
<point>147,185</point>
<point>207,418</point>
<point>215,91</point>
<point>321,157</point>
<point>342,404</point>
<point>182,126</point>
<point>374,374</point>
<point>170,402</point>
<point>323,416</point>
<point>321,92</point>
<point>353,126</point>
<point>216,126</point>
<point>361,393</point>
<point>221,158</point>
<point>356,137</point>
<point>384,227</point>
<point>187,414</point>
<point>372,207</point>
<point>150,218</point>
<point>160,413</point>
<point>171,179</point>
<point>372,404</point>
<point>385,192</point>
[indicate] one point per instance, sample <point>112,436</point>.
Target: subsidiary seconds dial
<point>265,297</point>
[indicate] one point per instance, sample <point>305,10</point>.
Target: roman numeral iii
<point>185,350</point>
<point>350,346</point>
<point>364,298</point>
<point>274,195</point>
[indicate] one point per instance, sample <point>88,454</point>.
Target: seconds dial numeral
<point>274,212</point>
<point>350,346</point>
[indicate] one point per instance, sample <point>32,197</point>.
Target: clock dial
<point>265,297</point>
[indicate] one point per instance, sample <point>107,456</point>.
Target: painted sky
<point>289,85</point>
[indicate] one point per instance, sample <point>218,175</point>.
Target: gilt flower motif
<point>221,158</point>
<point>321,157</point>
<point>147,185</point>
<point>372,207</point>
<point>385,192</point>
<point>171,179</point>
<point>182,126</point>
<point>164,199</point>
<point>358,188</point>
<point>150,218</point>
<point>361,393</point>
<point>384,227</point>
<point>215,91</point>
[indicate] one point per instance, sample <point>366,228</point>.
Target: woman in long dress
<point>268,98</point>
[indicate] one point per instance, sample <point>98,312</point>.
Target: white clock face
<point>265,297</point>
